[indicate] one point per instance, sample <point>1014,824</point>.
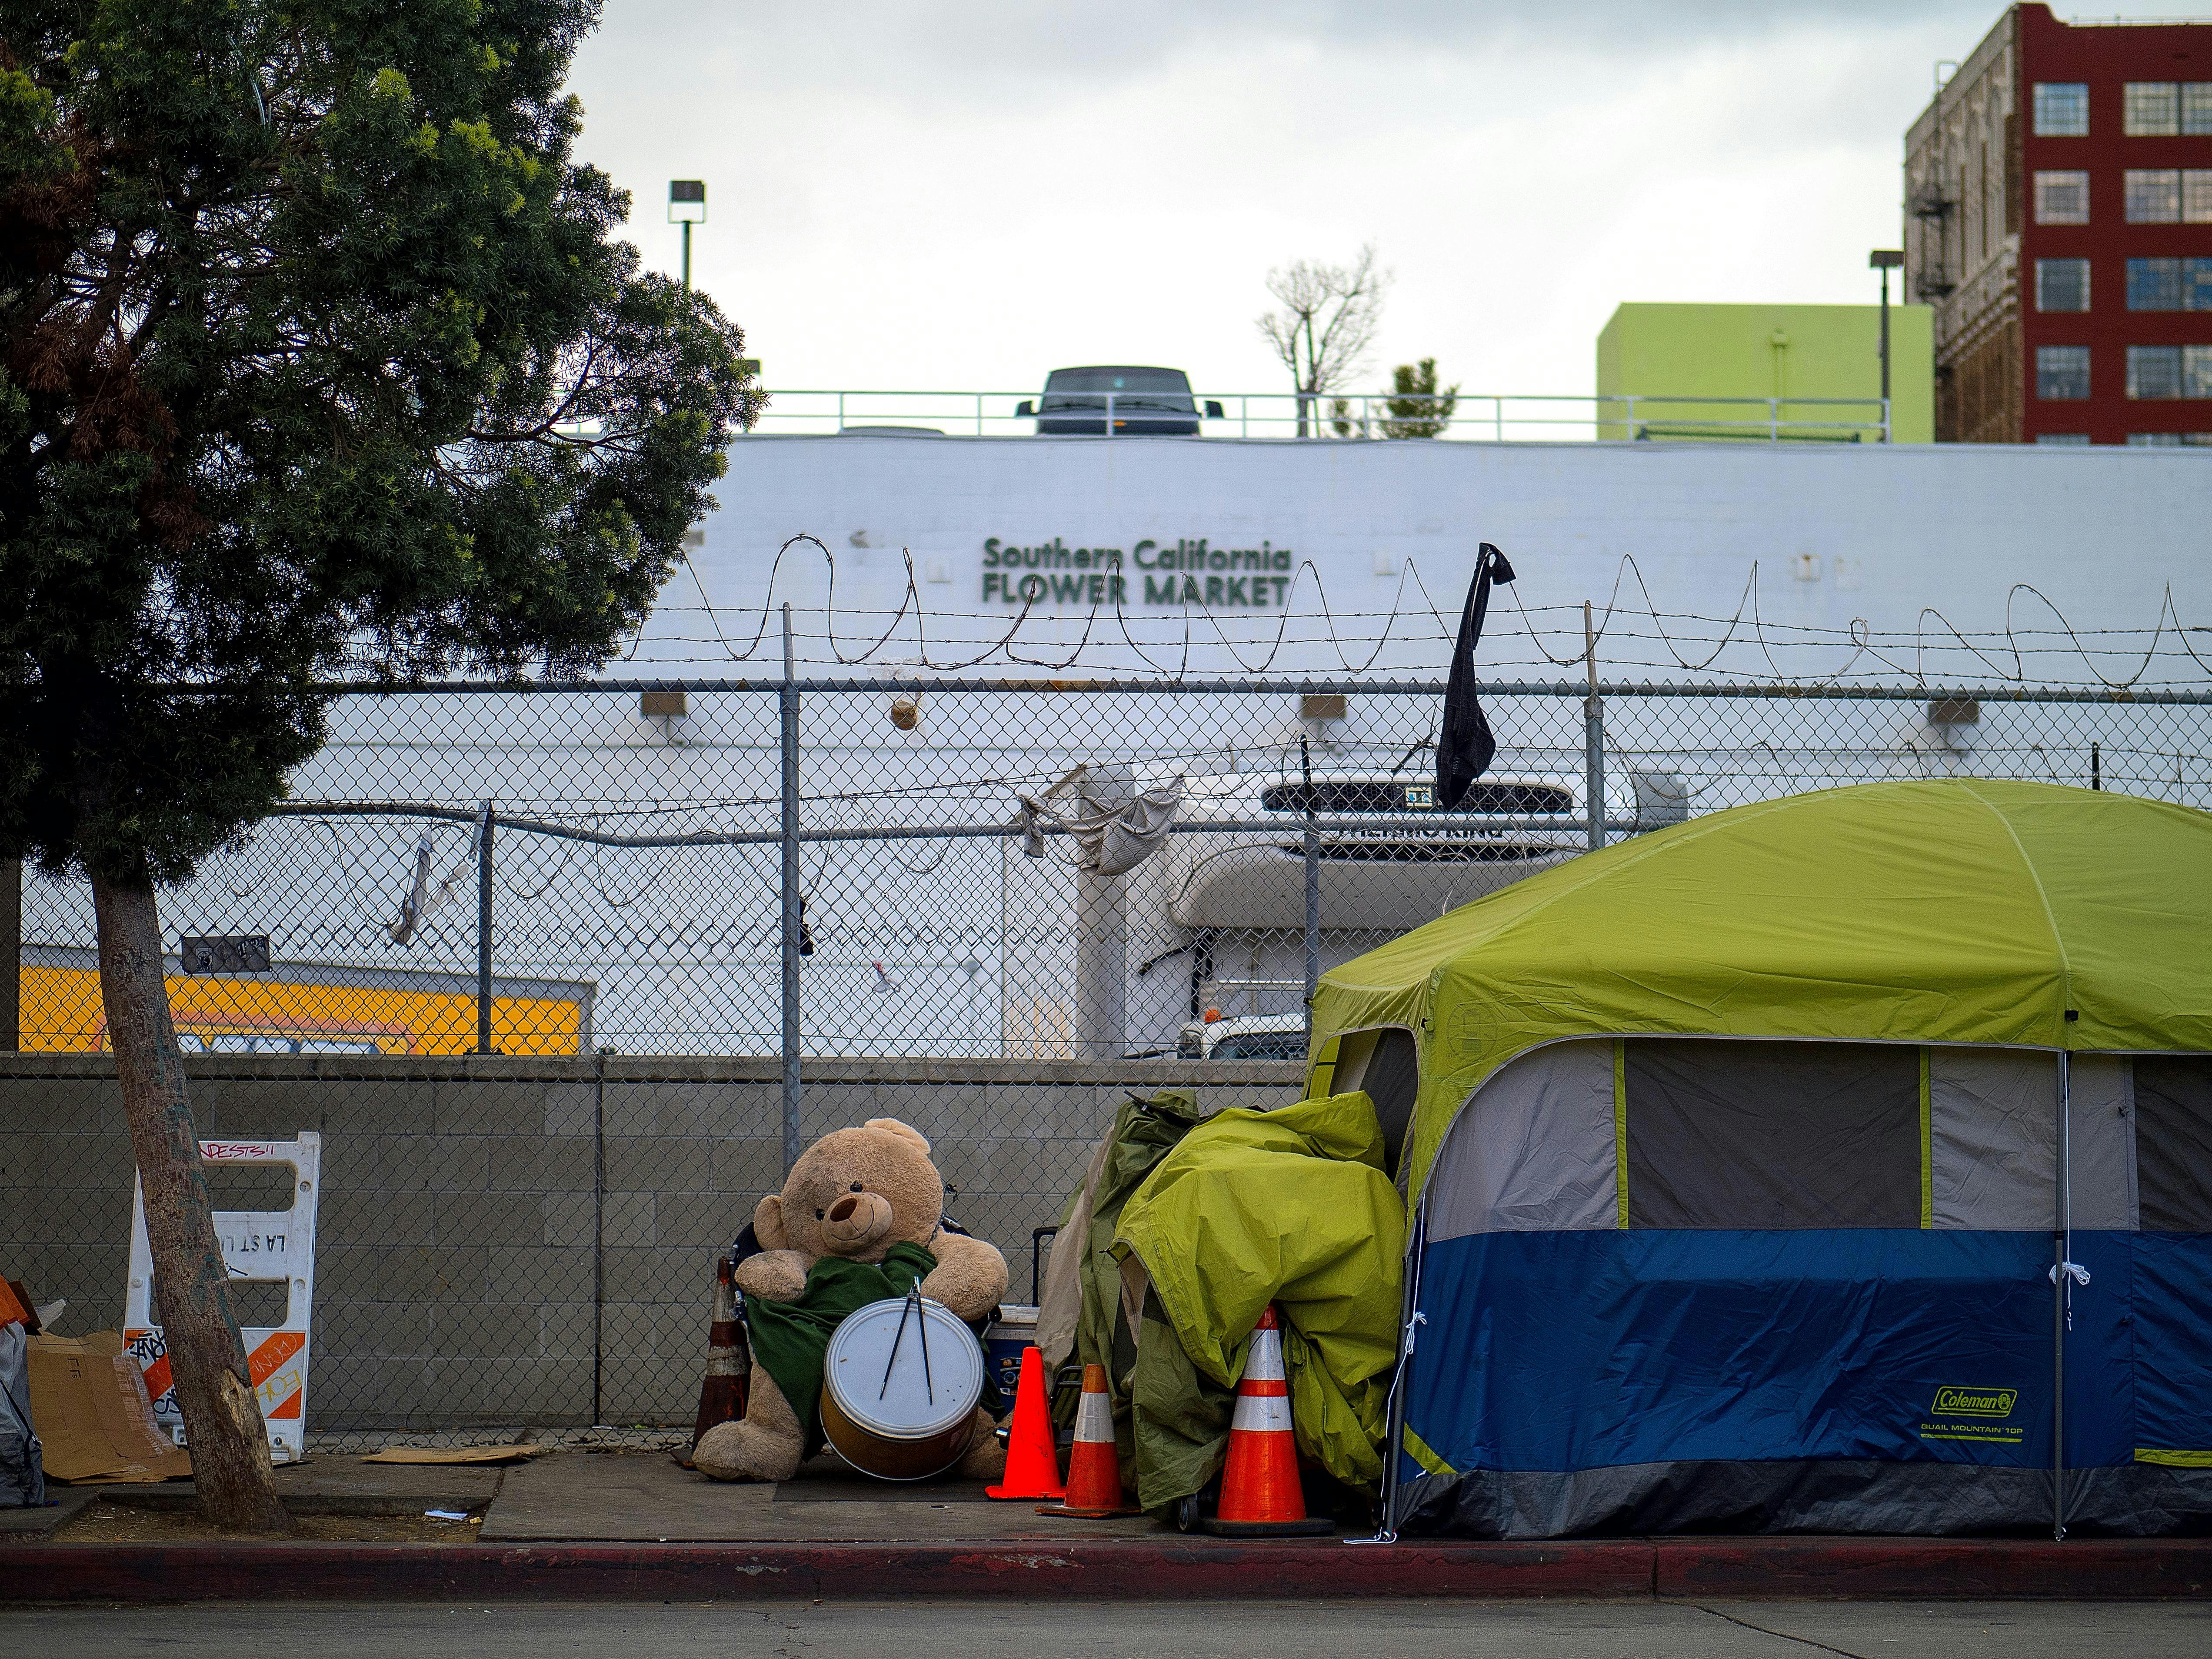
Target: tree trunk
<point>236,1482</point>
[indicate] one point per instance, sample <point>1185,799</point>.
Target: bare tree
<point>1327,321</point>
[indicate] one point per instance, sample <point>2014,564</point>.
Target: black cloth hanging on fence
<point>1465,747</point>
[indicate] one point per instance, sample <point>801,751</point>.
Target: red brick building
<point>2058,218</point>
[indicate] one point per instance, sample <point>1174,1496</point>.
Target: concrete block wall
<point>506,1242</point>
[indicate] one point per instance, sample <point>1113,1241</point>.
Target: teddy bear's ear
<point>768,1224</point>
<point>891,1126</point>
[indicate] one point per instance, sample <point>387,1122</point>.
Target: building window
<point>2063,284</point>
<point>2170,371</point>
<point>2162,195</point>
<point>2170,284</point>
<point>2171,440</point>
<point>2159,109</point>
<point>2065,438</point>
<point>2153,109</point>
<point>2062,198</point>
<point>2062,373</point>
<point>2154,284</point>
<point>2154,371</point>
<point>2153,196</point>
<point>2062,109</point>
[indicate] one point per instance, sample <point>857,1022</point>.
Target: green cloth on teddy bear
<point>791,1339</point>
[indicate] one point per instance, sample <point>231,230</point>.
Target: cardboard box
<point>89,1408</point>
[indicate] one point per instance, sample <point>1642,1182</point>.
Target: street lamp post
<point>687,206</point>
<point>1885,260</point>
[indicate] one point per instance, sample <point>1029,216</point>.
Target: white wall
<point>1839,534</point>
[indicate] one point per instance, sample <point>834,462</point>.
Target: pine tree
<point>1416,409</point>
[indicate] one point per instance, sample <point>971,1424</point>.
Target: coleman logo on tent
<point>1974,1402</point>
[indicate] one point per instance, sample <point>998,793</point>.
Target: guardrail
<point>1497,417</point>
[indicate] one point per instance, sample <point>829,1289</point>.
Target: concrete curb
<point>1165,1570</point>
<point>1940,1569</point>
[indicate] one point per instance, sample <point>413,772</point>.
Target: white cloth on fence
<point>1110,840</point>
<point>423,900</point>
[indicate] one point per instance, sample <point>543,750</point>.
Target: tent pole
<point>2061,1286</point>
<point>1394,1411</point>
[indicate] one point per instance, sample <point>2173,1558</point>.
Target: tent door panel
<point>2100,1160</point>
<point>1992,1138</point>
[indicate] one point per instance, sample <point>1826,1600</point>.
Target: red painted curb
<point>1097,1570</point>
<point>1773,1568</point>
<point>1948,1569</point>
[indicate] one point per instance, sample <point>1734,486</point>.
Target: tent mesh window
<point>1392,1081</point>
<point>2173,1143</point>
<point>1740,1134</point>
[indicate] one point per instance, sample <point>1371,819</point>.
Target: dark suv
<point>1142,402</point>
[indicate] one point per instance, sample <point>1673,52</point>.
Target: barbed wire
<point>1689,641</point>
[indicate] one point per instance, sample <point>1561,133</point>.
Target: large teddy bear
<point>869,1195</point>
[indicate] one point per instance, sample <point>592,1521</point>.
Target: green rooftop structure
<point>1813,374</point>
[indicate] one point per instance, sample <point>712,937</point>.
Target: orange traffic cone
<point>1032,1465</point>
<point>1260,1497</point>
<point>729,1361</point>
<point>1094,1467</point>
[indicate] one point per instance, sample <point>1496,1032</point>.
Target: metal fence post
<point>1593,737</point>
<point>789,699</point>
<point>1313,889</point>
<point>599,1234</point>
<point>483,931</point>
<point>11,955</point>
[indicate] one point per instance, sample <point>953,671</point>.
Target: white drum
<point>900,1385</point>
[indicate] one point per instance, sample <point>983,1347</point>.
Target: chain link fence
<point>565,975</point>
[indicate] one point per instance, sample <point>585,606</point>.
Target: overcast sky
<point>965,195</point>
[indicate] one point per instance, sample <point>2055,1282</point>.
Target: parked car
<point>1243,1036</point>
<point>1142,403</point>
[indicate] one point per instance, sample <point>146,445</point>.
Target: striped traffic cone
<point>1260,1497</point>
<point>729,1360</point>
<point>1094,1467</point>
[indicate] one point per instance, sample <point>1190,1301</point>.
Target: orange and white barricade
<point>271,1246</point>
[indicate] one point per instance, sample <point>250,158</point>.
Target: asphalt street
<point>1594,1630</point>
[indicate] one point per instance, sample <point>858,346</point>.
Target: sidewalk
<point>637,1527</point>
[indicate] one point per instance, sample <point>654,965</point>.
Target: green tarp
<point>2001,914</point>
<point>1143,1132</point>
<point>1289,1206</point>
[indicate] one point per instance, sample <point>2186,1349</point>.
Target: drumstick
<point>897,1337</point>
<point>921,1323</point>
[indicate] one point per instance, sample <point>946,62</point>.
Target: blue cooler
<point>1013,1330</point>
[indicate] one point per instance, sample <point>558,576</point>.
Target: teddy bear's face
<point>855,1193</point>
